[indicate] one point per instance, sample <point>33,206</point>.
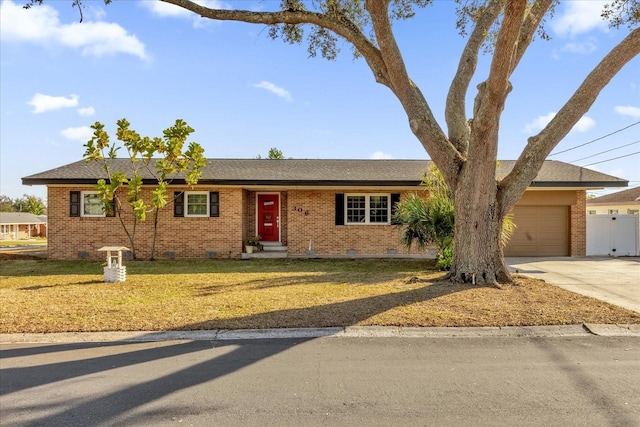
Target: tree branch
<point>539,146</point>
<point>337,23</point>
<point>455,111</point>
<point>421,120</point>
<point>529,27</point>
<point>491,103</point>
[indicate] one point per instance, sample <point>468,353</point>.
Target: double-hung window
<point>367,209</point>
<point>197,203</point>
<point>91,204</point>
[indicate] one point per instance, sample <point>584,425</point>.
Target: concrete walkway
<point>613,280</point>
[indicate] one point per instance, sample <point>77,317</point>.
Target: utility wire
<point>608,160</point>
<point>594,140</point>
<point>606,151</point>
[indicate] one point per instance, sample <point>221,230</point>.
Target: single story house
<point>622,202</point>
<point>302,207</point>
<point>22,225</point>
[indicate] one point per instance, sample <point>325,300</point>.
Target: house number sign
<point>300,210</point>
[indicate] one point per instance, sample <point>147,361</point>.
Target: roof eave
<point>578,184</point>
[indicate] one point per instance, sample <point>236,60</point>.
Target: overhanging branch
<point>339,24</point>
<point>455,112</point>
<point>539,146</point>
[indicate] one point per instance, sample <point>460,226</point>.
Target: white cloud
<point>628,111</point>
<point>167,10</point>
<point>377,155</point>
<point>82,133</point>
<point>539,123</point>
<point>580,16</point>
<point>40,25</point>
<point>42,103</point>
<point>584,48</point>
<point>88,111</point>
<point>281,92</point>
<point>583,125</point>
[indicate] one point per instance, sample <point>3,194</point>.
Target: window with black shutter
<point>178,204</point>
<point>214,203</point>
<point>339,209</point>
<point>74,203</point>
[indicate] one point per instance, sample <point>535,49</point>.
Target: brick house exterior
<point>22,225</point>
<point>315,204</point>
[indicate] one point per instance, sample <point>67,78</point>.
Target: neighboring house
<point>307,207</point>
<point>22,225</point>
<point>622,202</point>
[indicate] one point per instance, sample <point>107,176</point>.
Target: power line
<point>606,151</point>
<point>608,160</point>
<point>594,140</point>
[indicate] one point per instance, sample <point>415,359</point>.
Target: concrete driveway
<point>614,280</point>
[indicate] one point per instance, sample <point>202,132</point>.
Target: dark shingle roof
<point>631,195</point>
<point>20,218</point>
<point>298,172</point>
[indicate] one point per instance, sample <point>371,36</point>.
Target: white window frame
<point>186,203</point>
<point>367,208</point>
<point>82,212</point>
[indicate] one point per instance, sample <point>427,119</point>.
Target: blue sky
<point>244,93</point>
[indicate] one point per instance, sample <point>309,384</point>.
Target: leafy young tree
<point>173,160</point>
<point>466,152</point>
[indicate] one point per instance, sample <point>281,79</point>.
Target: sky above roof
<point>245,93</point>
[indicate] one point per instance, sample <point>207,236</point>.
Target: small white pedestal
<point>114,271</point>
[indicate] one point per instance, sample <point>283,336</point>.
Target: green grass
<point>60,296</point>
<point>34,241</point>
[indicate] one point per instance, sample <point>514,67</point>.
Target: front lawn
<point>60,296</point>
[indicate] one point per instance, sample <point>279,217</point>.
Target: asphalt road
<point>502,381</point>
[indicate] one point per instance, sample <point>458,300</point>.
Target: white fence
<point>613,235</point>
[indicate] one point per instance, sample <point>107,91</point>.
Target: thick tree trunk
<point>478,256</point>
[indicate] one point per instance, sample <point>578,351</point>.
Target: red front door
<point>269,217</point>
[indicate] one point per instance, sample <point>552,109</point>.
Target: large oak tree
<point>466,150</point>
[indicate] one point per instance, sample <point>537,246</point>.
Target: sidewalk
<point>338,332</point>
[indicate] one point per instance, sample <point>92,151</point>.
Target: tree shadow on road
<point>228,357</point>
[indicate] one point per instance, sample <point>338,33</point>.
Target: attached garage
<point>540,231</point>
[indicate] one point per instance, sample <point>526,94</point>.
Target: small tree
<point>141,150</point>
<point>6,203</point>
<point>274,154</point>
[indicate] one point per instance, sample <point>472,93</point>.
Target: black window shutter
<point>74,203</point>
<point>395,199</point>
<point>214,203</point>
<point>112,210</point>
<point>178,204</point>
<point>339,209</point>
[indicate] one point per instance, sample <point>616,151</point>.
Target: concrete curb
<point>336,332</point>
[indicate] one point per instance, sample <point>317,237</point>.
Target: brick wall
<point>307,217</point>
<point>74,237</point>
<point>579,225</point>
<point>311,220</point>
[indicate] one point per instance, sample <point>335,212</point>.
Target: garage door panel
<point>540,231</point>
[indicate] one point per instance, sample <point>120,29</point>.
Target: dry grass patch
<point>57,296</point>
